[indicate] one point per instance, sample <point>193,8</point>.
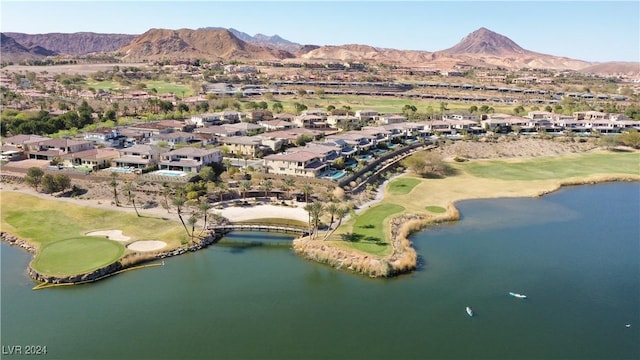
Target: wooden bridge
<point>260,227</point>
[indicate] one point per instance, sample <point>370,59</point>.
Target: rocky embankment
<point>402,259</point>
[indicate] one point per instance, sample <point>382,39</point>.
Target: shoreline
<point>404,258</point>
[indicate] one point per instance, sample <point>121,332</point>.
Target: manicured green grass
<point>369,226</point>
<point>403,185</point>
<point>557,167</point>
<point>436,209</point>
<point>77,256</point>
<point>44,222</point>
<point>164,87</point>
<point>102,85</point>
<point>381,104</point>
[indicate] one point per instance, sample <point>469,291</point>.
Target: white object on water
<point>469,311</point>
<point>519,296</point>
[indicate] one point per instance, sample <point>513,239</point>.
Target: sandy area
<point>264,211</point>
<point>147,245</point>
<point>110,234</point>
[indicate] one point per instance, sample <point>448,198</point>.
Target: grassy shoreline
<point>382,232</point>
<point>525,181</point>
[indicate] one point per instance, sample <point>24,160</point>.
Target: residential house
<point>173,138</point>
<point>289,136</point>
<point>342,121</point>
<point>310,122</point>
<point>460,116</point>
<point>189,159</point>
<point>55,148</point>
<point>206,119</point>
<point>260,115</point>
<point>354,139</point>
<point>94,159</point>
<point>140,156</point>
<point>242,145</point>
<point>387,119</point>
<point>245,128</point>
<point>152,128</point>
<point>105,137</point>
<point>299,163</point>
<point>270,125</point>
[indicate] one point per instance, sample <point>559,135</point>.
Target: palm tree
<point>307,189</point>
<point>266,185</point>
<point>114,183</point>
<point>178,201</point>
<point>244,186</point>
<point>204,208</point>
<point>287,184</point>
<point>316,211</point>
<point>193,219</point>
<point>331,209</point>
<point>166,191</point>
<point>222,187</point>
<point>128,187</point>
<point>341,212</point>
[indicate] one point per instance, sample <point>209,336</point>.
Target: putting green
<point>403,185</point>
<point>76,256</point>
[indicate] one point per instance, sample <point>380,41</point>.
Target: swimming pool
<point>338,175</point>
<point>121,170</point>
<point>172,173</point>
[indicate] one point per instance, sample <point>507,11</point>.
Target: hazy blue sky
<point>593,31</point>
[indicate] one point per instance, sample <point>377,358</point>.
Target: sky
<point>596,31</point>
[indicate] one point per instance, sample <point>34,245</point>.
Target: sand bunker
<point>147,245</point>
<point>110,234</point>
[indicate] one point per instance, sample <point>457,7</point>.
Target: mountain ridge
<point>481,47</point>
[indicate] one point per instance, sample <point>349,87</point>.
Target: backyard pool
<point>334,174</point>
<point>173,173</point>
<point>124,170</point>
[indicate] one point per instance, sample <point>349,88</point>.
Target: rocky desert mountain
<point>498,50</point>
<point>12,50</point>
<point>186,43</point>
<point>271,41</point>
<point>482,47</point>
<point>366,53</point>
<point>74,43</point>
<point>613,68</point>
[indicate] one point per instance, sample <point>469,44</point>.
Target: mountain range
<point>482,47</point>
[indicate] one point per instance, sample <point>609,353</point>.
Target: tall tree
<point>114,184</point>
<point>266,185</point>
<point>307,189</point>
<point>316,211</point>
<point>128,188</point>
<point>204,208</point>
<point>33,177</point>
<point>179,199</point>
<point>331,209</point>
<point>288,184</point>
<point>245,185</point>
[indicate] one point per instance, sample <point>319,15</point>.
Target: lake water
<point>575,253</point>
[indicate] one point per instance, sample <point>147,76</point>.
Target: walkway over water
<point>261,227</point>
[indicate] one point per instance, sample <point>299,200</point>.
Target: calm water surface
<point>575,253</point>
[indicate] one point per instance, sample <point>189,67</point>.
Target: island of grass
<point>431,200</point>
<point>57,233</point>
<point>75,256</point>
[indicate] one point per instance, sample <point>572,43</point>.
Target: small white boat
<point>469,311</point>
<point>519,296</point>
